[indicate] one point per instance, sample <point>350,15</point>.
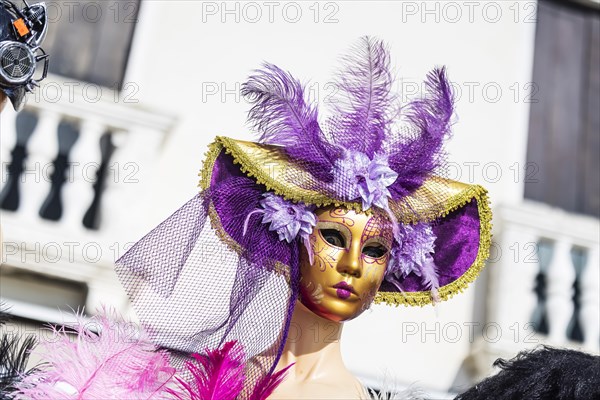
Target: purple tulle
<point>194,291</point>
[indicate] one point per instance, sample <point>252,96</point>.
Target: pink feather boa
<point>120,362</point>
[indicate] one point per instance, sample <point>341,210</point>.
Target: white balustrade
<point>130,168</point>
<point>116,192</point>
<point>137,134</point>
<point>511,297</point>
<point>513,273</point>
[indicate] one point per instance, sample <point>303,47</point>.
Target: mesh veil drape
<point>193,291</point>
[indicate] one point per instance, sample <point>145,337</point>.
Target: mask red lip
<point>345,286</point>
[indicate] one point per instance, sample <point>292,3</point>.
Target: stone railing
<point>543,283</point>
<point>72,171</point>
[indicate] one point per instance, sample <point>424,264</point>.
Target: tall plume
<point>417,157</point>
<point>283,117</point>
<point>363,97</point>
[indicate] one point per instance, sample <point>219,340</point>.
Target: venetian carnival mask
<point>351,252</point>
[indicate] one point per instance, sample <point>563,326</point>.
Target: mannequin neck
<point>313,345</point>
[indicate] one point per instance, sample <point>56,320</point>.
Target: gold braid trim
<point>453,203</point>
<point>205,174</point>
<point>267,166</point>
<point>296,194</point>
<point>459,285</point>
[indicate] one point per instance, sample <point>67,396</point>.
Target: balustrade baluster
<point>8,138</point>
<point>129,169</point>
<point>561,275</point>
<point>42,147</point>
<point>23,128</point>
<point>513,299</point>
<point>86,157</point>
<point>590,301</point>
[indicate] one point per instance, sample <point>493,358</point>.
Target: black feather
<point>14,355</point>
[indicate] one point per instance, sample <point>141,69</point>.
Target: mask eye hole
<point>374,251</point>
<point>333,237</point>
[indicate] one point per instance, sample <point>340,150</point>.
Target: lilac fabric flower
<point>414,253</point>
<point>359,176</point>
<point>288,219</point>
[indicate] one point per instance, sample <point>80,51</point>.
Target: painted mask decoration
<point>351,252</point>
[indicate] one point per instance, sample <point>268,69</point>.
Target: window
<point>564,129</point>
<point>90,40</point>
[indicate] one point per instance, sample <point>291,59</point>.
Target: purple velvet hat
<point>196,286</point>
<point>442,222</point>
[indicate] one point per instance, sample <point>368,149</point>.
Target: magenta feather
<point>363,98</point>
<point>118,362</point>
<point>265,387</point>
<point>283,117</point>
<point>415,158</point>
<point>218,375</point>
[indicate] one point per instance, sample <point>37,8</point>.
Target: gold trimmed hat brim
<point>435,200</point>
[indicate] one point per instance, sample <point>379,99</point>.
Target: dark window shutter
<point>90,40</point>
<point>564,131</point>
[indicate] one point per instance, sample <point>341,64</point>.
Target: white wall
<point>183,48</point>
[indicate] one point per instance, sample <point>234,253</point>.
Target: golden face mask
<point>351,252</point>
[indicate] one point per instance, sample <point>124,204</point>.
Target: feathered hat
<point>363,158</point>
<point>196,286</point>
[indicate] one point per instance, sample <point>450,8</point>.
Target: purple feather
<point>412,254</point>
<point>416,158</point>
<point>265,387</point>
<point>430,279</point>
<point>283,117</point>
<point>217,376</point>
<point>363,99</point>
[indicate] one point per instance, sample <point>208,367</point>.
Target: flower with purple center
<point>359,176</point>
<point>288,219</point>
